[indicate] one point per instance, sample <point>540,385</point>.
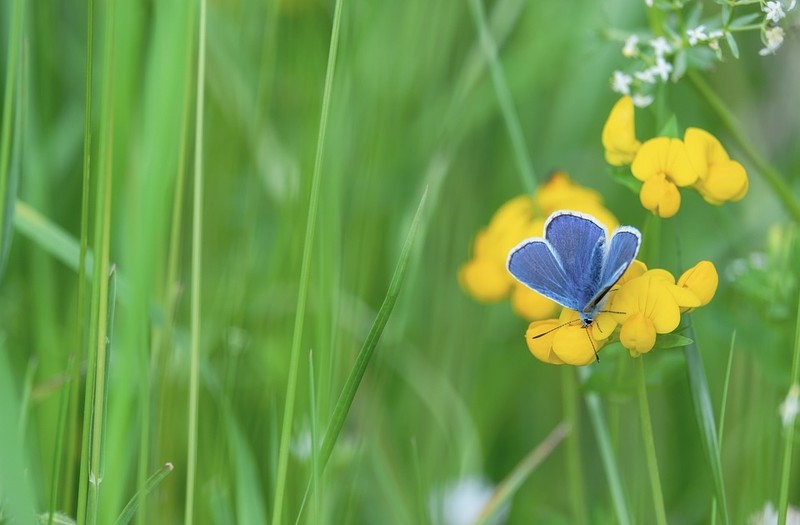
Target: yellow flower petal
<point>531,305</point>
<point>638,334</point>
<point>485,281</point>
<point>539,338</point>
<point>702,280</point>
<point>664,156</point>
<point>619,133</point>
<point>704,150</point>
<point>726,181</point>
<point>660,196</point>
<point>720,179</point>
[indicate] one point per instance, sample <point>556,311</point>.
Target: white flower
<point>698,34</point>
<point>660,46</point>
<point>790,406</point>
<point>791,5</point>
<point>630,49</point>
<point>713,38</point>
<point>641,101</point>
<point>769,516</point>
<point>662,68</point>
<point>462,502</point>
<point>774,38</point>
<point>647,76</point>
<point>774,11</point>
<point>621,83</point>
<point>649,3</point>
<point>300,445</point>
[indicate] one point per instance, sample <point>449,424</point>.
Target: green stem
<point>788,443</point>
<point>305,270</point>
<point>574,464</point>
<point>526,171</point>
<point>14,42</point>
<point>607,455</point>
<point>649,443</point>
<point>768,173</point>
<point>722,415</point>
<point>197,250</point>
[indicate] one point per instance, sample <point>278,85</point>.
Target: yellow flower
<point>565,340</point>
<point>619,133</point>
<point>649,305</point>
<point>485,276</point>
<point>701,280</point>
<point>720,179</point>
<point>662,164</point>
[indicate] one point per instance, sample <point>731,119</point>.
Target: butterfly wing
<point>622,251</point>
<point>577,240</point>
<point>534,263</point>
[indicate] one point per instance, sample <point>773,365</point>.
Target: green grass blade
<point>305,269</point>
<point>93,420</point>
<point>788,442</point>
<point>315,466</point>
<point>50,237</point>
<point>705,418</point>
<point>16,23</point>
<point>607,455</point>
<point>526,172</point>
<point>197,238</point>
<point>649,444</point>
<point>575,470</point>
<point>17,492</point>
<point>345,400</point>
<point>517,477</point>
<point>722,414</point>
<point>149,486</point>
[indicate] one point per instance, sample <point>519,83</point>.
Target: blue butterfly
<point>574,264</point>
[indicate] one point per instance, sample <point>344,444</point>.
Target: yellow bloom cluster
<point>643,303</point>
<point>485,276</point>
<point>663,164</point>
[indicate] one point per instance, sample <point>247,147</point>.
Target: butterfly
<point>575,264</point>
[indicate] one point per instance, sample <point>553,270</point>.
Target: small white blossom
<point>662,69</point>
<point>641,101</point>
<point>660,46</point>
<point>462,502</point>
<point>791,5</point>
<point>649,3</point>
<point>774,11</point>
<point>713,38</point>
<point>774,38</point>
<point>769,516</point>
<point>630,49</point>
<point>698,34</point>
<point>648,76</point>
<point>790,406</point>
<point>621,83</point>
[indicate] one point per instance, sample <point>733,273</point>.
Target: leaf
<point>672,341</point>
<point>622,175</point>
<point>732,44</point>
<point>670,129</point>
<point>680,65</point>
<point>745,20</point>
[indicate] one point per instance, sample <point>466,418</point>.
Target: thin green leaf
<point>623,176</point>
<point>705,420</point>
<point>345,400</point>
<point>149,486</point>
<point>745,19</point>
<point>517,477</point>
<point>607,454</point>
<point>305,271</point>
<point>672,341</point>
<point>788,443</point>
<point>722,413</point>
<point>732,44</point>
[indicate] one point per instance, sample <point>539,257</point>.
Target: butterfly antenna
<point>612,312</point>
<point>596,355</point>
<point>554,329</point>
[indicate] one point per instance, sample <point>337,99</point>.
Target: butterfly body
<point>575,264</point>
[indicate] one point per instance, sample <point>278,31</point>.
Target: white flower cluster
<point>663,58</point>
<point>771,33</point>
